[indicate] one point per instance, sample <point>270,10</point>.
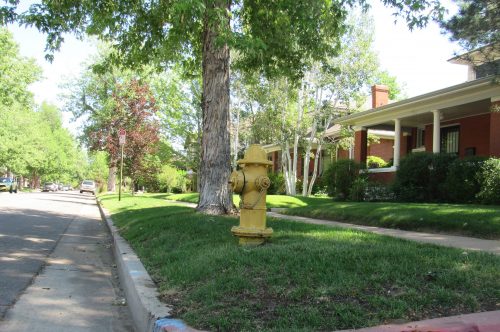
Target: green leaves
<point>16,73</point>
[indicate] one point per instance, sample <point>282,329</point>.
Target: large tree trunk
<point>215,197</point>
<point>112,177</point>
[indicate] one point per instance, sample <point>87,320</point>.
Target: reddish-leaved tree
<point>135,112</point>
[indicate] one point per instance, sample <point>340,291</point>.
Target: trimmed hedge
<point>421,177</point>
<point>462,182</point>
<point>428,177</point>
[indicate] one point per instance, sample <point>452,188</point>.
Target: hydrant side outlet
<point>252,183</point>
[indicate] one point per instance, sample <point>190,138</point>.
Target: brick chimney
<point>380,95</point>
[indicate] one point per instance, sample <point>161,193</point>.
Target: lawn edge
<point>148,313</point>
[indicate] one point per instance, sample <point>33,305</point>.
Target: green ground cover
<point>307,277</point>
<point>472,220</point>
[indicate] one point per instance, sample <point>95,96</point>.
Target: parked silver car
<point>49,186</point>
<point>87,186</point>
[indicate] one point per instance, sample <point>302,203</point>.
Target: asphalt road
<point>56,265</point>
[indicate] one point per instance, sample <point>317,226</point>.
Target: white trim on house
<point>391,169</point>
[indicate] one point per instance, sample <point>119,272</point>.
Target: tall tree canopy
<point>476,27</point>
<point>108,99</point>
<point>476,24</point>
<point>278,37</point>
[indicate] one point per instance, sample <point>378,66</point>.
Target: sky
<point>418,59</point>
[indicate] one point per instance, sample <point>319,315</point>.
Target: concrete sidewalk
<point>462,242</point>
<point>78,289</point>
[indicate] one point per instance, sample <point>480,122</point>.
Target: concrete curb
<point>477,322</point>
<point>148,313</point>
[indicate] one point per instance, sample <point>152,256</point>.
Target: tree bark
<point>215,196</point>
<point>112,177</point>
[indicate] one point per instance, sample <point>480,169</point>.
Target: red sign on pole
<point>121,136</point>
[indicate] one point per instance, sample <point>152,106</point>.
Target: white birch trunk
<point>236,139</point>
<point>317,108</point>
<point>318,156</point>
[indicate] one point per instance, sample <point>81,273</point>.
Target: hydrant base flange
<point>251,236</point>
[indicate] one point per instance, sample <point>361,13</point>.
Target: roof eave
<point>401,106</point>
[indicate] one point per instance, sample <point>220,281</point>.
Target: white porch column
<point>436,132</point>
<point>397,142</point>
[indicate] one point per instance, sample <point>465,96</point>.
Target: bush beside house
<point>428,177</point>
<point>376,162</point>
<point>344,180</point>
<point>463,182</point>
<point>421,177</point>
<point>489,176</point>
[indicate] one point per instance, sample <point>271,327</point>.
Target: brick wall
<point>383,149</point>
<point>386,177</point>
<point>474,133</point>
<point>360,146</point>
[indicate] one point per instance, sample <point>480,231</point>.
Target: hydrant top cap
<point>255,155</point>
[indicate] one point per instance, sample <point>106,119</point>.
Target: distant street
<point>56,266</point>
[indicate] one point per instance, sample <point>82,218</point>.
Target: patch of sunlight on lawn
<point>337,234</point>
<point>285,201</point>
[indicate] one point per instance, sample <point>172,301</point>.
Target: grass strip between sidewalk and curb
<point>307,277</point>
<point>482,221</point>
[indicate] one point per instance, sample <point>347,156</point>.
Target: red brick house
<point>382,149</point>
<point>463,119</point>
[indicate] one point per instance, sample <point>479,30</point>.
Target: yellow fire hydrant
<point>251,182</point>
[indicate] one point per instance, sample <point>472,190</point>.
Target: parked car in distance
<point>66,187</point>
<point>87,186</point>
<point>49,186</point>
<point>8,184</point>
<point>59,186</point>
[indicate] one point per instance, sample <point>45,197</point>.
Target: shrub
<point>378,192</point>
<point>489,178</point>
<point>421,176</point>
<point>340,176</point>
<point>358,189</point>
<point>298,186</point>
<point>277,186</point>
<point>462,182</point>
<point>172,179</point>
<point>319,186</point>
<point>439,168</point>
<point>375,162</point>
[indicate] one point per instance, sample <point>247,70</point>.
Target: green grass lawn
<point>307,277</point>
<point>472,220</point>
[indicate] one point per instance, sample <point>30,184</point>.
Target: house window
<point>449,139</point>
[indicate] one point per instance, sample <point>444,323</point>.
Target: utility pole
<point>121,141</point>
